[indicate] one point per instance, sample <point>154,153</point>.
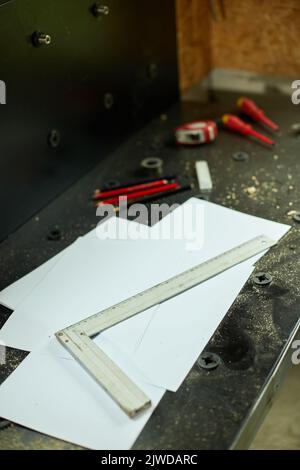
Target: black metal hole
<point>54,235</point>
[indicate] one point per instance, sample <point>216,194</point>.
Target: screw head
<point>108,100</point>
<point>262,279</point>
<point>54,138</point>
<point>41,39</point>
<point>47,39</point>
<point>240,156</point>
<point>100,10</point>
<point>209,361</point>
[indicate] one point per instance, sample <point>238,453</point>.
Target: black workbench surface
<point>212,409</point>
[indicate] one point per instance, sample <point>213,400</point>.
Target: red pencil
<point>138,194</point>
<point>129,189</point>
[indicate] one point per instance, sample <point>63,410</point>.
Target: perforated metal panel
<point>70,102</point>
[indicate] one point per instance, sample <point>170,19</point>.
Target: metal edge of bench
<point>266,399</point>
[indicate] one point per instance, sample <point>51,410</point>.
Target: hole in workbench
<point>54,235</point>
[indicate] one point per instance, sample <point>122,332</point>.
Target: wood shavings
<point>251,190</point>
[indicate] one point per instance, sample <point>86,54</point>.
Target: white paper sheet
<point>60,399</point>
<point>13,295</point>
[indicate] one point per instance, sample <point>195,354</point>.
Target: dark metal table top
<point>213,409</point>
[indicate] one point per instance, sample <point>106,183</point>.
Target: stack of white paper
<point>156,348</point>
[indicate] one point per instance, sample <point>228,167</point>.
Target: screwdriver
<point>249,108</point>
<point>235,124</point>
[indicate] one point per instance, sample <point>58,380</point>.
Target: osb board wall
<point>193,38</point>
<point>256,35</point>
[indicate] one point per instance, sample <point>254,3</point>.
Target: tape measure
<point>196,132</point>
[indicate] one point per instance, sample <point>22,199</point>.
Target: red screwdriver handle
<point>235,124</point>
<point>249,108</point>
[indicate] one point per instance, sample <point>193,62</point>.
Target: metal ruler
<point>77,338</point>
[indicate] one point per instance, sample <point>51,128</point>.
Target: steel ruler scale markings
<point>77,338</point>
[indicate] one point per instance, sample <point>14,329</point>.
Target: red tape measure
<point>196,132</point>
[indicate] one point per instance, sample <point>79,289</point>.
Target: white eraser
<point>203,175</point>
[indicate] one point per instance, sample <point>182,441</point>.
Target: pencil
<point>133,183</point>
<point>139,194</point>
<point>155,197</point>
<point>129,189</point>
